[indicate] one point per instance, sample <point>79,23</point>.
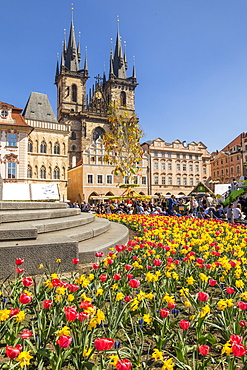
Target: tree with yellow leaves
<point>122,142</point>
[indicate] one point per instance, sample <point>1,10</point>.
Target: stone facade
<point>93,178</point>
<point>47,146</point>
<point>176,168</point>
<point>14,132</point>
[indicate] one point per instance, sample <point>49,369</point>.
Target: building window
<point>56,173</point>
<point>190,156</point>
<point>197,167</point>
<point>178,155</point>
<point>123,98</point>
<point>12,139</point>
<point>73,135</point>
<point>178,166</point>
<point>43,147</point>
<point>185,181</point>
<point>197,180</point>
<point>226,160</point>
<point>169,155</point>
<point>163,154</point>
<point>56,148</point>
<point>100,179</point>
<point>126,180</point>
<point>11,170</point>
<point>163,165</point>
<point>30,146</point>
<point>29,172</point>
<point>226,171</point>
<point>109,179</point>
<point>204,170</point>
<point>178,180</point>
<point>73,148</point>
<point>144,180</point>
<point>196,157</point>
<point>169,167</point>
<point>191,167</point>
<point>74,93</point>
<point>169,180</point>
<point>156,165</point>
<point>156,180</point>
<point>163,180</point>
<point>238,170</point>
<point>231,170</point>
<point>90,179</point>
<point>231,159</point>
<point>156,154</point>
<point>43,172</point>
<point>184,167</point>
<point>184,156</point>
<point>191,181</point>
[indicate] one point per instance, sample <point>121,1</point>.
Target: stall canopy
<point>200,189</point>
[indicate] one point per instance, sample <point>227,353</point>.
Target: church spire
<point>119,63</point>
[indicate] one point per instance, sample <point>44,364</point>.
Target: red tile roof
<point>16,115</point>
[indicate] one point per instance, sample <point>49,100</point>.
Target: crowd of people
<point>203,207</point>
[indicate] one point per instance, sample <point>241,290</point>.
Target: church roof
<point>39,108</point>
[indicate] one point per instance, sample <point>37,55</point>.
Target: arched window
<point>56,173</point>
<point>30,146</point>
<point>99,131</point>
<point>43,172</point>
<point>56,148</point>
<point>123,98</point>
<point>74,93</point>
<point>64,149</point>
<point>50,147</point>
<point>63,172</point>
<point>73,148</point>
<point>73,135</point>
<point>36,173</point>
<point>29,172</point>
<point>43,147</point>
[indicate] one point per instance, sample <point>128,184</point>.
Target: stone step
<point>48,247</point>
<point>18,206</point>
<point>31,215</point>
<point>117,234</point>
<point>27,230</point>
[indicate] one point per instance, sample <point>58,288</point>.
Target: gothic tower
<point>86,114</point>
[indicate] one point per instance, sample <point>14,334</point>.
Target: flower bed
<point>175,297</point>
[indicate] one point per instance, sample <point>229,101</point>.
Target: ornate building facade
<point>176,168</point>
<point>86,113</point>
<point>14,132</point>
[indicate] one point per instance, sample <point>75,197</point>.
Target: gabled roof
<point>39,108</point>
<point>17,119</point>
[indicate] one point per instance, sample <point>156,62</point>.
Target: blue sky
<point>191,59</point>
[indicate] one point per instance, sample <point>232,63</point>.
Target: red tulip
<point>184,324</point>
<point>157,262</point>
<point>83,316</point>
<point>73,287</point>
<point>237,339</point>
<point>75,261</point>
<point>13,352</point>
<point>19,270</point>
<point>47,304</point>
<point>204,350</point>
<point>212,282</point>
<point>85,305</point>
<point>110,261</point>
<point>203,297</point>
<point>127,298</point>
<point>99,254</point>
<point>123,364</point>
<point>200,261</point>
<point>64,341</point>
<point>171,305</point>
<point>103,344</point>
<point>164,313</point>
<point>128,267</point>
<point>242,305</point>
<point>56,283</point>
<point>130,276</point>
<point>230,290</point>
<point>103,277</point>
<point>25,298</point>
<point>238,350</point>
<point>26,334</point>
<point>117,276</point>
<point>19,261</point>
<point>134,283</point>
<point>70,313</point>
<point>242,323</point>
<point>14,311</point>
<point>27,281</point>
<point>95,266</point>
